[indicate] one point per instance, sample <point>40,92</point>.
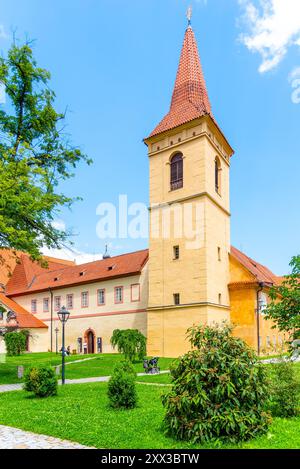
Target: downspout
<point>261,287</point>
<point>51,319</point>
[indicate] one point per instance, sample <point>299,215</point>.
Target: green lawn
<point>90,421</point>
<point>101,365</point>
<point>164,378</point>
<point>8,365</point>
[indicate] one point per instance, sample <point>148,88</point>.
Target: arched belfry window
<point>217,175</point>
<point>176,176</point>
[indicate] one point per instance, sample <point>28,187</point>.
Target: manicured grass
<point>164,378</point>
<point>8,365</point>
<point>101,365</point>
<point>104,364</point>
<point>81,413</point>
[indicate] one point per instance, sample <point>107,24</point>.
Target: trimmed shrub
<point>41,381</point>
<point>131,342</point>
<point>121,388</point>
<point>15,342</point>
<point>125,366</point>
<point>219,390</point>
<point>284,390</point>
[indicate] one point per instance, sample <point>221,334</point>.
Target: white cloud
<point>59,225</point>
<point>71,254</point>
<point>273,27</point>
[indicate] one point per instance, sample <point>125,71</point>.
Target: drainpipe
<point>261,287</point>
<point>51,319</point>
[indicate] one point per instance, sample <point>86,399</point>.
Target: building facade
<point>187,277</point>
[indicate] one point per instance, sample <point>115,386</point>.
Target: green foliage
<point>35,155</point>
<point>284,390</point>
<point>284,308</point>
<point>131,342</point>
<point>121,387</point>
<point>41,381</point>
<point>125,366</point>
<point>219,389</point>
<point>15,342</point>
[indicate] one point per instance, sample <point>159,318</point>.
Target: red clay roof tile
<point>190,98</point>
<point>24,318</point>
<point>260,272</point>
<point>27,279</point>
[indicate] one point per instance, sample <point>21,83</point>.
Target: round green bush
<point>219,390</point>
<point>121,390</point>
<point>41,381</point>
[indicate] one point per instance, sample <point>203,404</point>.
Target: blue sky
<point>113,64</point>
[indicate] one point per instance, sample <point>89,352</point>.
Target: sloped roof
<point>9,259</point>
<point>33,278</point>
<point>24,318</point>
<point>261,273</point>
<point>7,264</point>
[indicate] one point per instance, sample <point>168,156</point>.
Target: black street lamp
<point>56,339</point>
<point>63,315</point>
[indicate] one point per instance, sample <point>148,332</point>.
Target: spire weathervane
<point>189,15</point>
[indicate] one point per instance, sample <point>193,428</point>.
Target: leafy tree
<point>219,389</point>
<point>15,342</point>
<point>284,308</point>
<point>35,156</point>
<point>131,342</point>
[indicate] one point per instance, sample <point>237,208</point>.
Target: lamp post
<point>63,315</point>
<point>56,340</point>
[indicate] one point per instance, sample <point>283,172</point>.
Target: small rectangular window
<point>219,254</point>
<point>33,306</point>
<point>101,297</point>
<point>135,292</point>
<point>268,343</point>
<point>176,297</point>
<point>220,299</point>
<point>118,294</point>
<point>84,299</point>
<point>70,301</point>
<point>46,305</point>
<point>57,303</point>
<point>175,252</point>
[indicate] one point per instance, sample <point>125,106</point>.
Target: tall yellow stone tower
<point>189,243</point>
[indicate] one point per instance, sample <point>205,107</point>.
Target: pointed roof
<point>190,98</point>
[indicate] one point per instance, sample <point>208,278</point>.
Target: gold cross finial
<point>189,14</point>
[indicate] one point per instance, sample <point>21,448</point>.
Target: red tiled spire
<point>190,99</point>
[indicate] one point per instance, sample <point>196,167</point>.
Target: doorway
<point>90,339</point>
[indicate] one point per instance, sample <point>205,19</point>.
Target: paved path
<point>97,379</point>
<point>278,360</point>
<point>13,438</point>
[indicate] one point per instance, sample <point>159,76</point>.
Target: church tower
<point>189,244</point>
